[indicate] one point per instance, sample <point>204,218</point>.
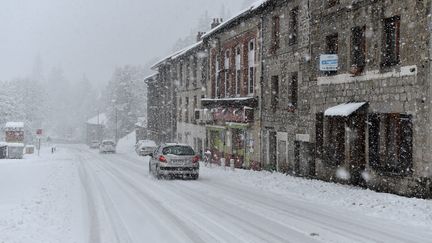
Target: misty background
<point>63,61</point>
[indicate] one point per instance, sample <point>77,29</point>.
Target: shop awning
<point>240,102</point>
<point>344,110</point>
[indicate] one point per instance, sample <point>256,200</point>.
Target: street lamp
<point>117,107</point>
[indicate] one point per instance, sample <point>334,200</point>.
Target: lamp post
<point>116,125</point>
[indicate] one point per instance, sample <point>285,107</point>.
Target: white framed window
<point>217,78</point>
<point>238,70</point>
<point>227,68</point>
<point>251,67</point>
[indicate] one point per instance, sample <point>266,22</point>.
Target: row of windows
<point>229,77</point>
<point>186,113</point>
<point>390,141</point>
<point>292,27</point>
<point>292,93</point>
<point>390,45</point>
<point>188,73</point>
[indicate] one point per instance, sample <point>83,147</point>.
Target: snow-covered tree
<point>125,100</point>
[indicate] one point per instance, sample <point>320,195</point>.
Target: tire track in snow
<point>340,224</point>
<point>259,226</point>
<point>148,201</point>
<point>248,235</point>
<point>108,210</point>
<point>316,215</point>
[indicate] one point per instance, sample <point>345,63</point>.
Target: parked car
<point>94,144</point>
<point>172,159</point>
<point>107,146</point>
<point>145,147</point>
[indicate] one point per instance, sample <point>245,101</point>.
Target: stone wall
<point>401,88</point>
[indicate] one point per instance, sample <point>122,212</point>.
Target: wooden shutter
<point>319,134</point>
<point>374,145</point>
<point>406,145</point>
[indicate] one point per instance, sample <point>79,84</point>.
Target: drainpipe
<point>261,96</point>
<point>429,83</point>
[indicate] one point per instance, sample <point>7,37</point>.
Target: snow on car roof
<point>147,143</point>
<point>100,119</point>
<point>177,144</point>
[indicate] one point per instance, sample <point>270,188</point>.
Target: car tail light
<point>195,159</point>
<point>162,159</point>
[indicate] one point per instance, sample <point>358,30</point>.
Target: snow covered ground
<point>40,199</point>
<point>79,195</point>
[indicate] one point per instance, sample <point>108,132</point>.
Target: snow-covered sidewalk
<point>412,211</point>
<point>40,199</point>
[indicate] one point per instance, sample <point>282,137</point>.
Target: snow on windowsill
<point>368,75</point>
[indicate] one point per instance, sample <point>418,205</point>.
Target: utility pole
<point>116,127</point>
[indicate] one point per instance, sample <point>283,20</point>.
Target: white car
<point>94,144</point>
<point>145,147</point>
<point>174,160</point>
<point>107,146</point>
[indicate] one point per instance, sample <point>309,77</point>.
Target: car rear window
<point>178,150</point>
<point>108,143</point>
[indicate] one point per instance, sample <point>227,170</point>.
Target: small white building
<point>14,132</point>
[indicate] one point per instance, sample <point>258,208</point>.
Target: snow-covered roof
<point>14,125</point>
<point>344,110</point>
<point>151,76</point>
<point>229,99</point>
<point>256,5</point>
<point>187,49</point>
<point>164,60</point>
<point>15,144</point>
<point>177,54</point>
<point>100,119</point>
<point>142,122</point>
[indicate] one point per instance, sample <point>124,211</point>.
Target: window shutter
<point>319,134</point>
<point>406,144</point>
<point>374,146</point>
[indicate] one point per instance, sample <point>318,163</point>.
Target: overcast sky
<point>94,36</point>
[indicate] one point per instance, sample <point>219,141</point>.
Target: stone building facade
<point>372,113</point>
<point>190,81</point>
<point>286,96</point>
<point>336,90</point>
<point>161,105</point>
<point>152,107</point>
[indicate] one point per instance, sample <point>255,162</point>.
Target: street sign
<point>39,131</point>
<point>329,62</point>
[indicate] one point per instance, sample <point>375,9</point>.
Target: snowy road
<point>128,205</point>
<point>78,195</point>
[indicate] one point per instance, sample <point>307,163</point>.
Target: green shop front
<point>232,133</point>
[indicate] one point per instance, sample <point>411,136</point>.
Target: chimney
<point>199,36</point>
<point>216,22</point>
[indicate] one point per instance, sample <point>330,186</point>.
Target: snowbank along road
<point>118,201</point>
